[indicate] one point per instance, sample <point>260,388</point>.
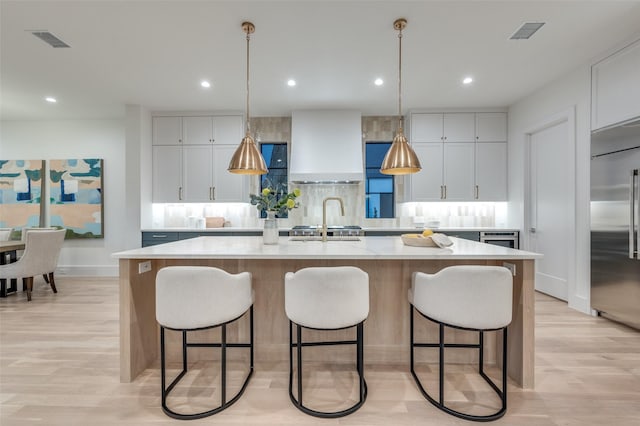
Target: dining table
<point>9,254</point>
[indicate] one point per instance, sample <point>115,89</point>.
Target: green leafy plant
<point>276,200</point>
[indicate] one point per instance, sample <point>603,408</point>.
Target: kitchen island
<point>389,263</point>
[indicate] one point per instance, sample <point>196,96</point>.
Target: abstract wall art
<point>20,193</point>
<point>76,198</point>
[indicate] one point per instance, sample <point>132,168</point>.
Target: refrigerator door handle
<point>634,239</point>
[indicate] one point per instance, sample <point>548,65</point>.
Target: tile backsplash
<point>244,215</point>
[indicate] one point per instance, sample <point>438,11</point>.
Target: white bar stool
<point>326,298</point>
<point>192,298</point>
<point>466,297</point>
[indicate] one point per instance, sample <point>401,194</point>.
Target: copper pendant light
<point>400,159</point>
<point>247,159</point>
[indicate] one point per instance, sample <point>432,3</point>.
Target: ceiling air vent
<point>49,38</point>
<point>526,30</point>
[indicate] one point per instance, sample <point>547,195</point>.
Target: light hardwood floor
<point>59,366</point>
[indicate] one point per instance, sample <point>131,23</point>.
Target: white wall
<point>571,91</point>
<point>79,139</point>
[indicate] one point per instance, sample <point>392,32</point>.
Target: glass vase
<point>270,231</point>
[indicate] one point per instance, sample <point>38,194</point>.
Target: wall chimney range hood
<point>326,146</point>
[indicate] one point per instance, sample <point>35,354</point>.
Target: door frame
<point>568,116</point>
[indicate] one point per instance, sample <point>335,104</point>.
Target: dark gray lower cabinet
<point>153,238</point>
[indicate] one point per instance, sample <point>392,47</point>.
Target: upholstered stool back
<point>468,296</point>
<point>190,297</point>
<point>327,297</point>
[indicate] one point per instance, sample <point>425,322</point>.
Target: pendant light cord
<point>248,123</point>
<point>400,119</point>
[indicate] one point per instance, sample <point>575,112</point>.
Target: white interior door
<point>550,207</point>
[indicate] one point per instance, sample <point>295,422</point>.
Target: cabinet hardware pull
<point>441,192</point>
<point>180,193</point>
<point>179,140</point>
<point>445,192</point>
<point>159,236</point>
<point>213,192</point>
<point>477,192</point>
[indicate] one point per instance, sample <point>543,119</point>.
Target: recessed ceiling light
<point>205,84</point>
<point>378,82</point>
<point>291,82</point>
<point>51,99</point>
<point>467,80</point>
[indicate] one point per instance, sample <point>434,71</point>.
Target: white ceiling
<point>155,53</point>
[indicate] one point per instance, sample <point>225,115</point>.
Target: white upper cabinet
<point>436,127</point>
<point>459,127</point>
<point>167,130</point>
<point>491,171</point>
<point>228,187</point>
<point>459,178</point>
<point>464,156</point>
<point>426,127</point>
<point>197,173</point>
<point>227,129</point>
<point>426,185</point>
<point>491,126</point>
<point>197,130</point>
<point>191,156</point>
<point>167,174</point>
<point>615,88</point>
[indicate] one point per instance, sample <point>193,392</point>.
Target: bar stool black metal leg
<point>299,349</point>
<point>441,369</point>
<point>223,365</point>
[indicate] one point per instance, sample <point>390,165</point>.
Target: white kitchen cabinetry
<point>491,171</point>
<point>167,174</point>
<point>437,127</point>
<point>491,126</point>
<point>426,185</point>
<point>193,167</point>
<point>458,171</point>
<point>463,156</point>
<point>615,88</point>
<point>227,186</point>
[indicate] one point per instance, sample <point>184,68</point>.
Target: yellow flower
<point>266,191</point>
<point>296,192</point>
<point>291,204</point>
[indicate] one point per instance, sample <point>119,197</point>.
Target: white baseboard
<point>87,270</point>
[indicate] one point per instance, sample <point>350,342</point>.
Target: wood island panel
<point>386,328</point>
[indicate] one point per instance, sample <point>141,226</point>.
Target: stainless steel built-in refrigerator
<point>615,262</point>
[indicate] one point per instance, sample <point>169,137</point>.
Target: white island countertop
<point>390,247</point>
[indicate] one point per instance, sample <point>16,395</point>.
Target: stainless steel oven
<point>501,238</point>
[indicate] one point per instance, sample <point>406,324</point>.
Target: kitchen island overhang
<point>389,263</point>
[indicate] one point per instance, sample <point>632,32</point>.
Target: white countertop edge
<point>364,228</point>
<point>368,248</point>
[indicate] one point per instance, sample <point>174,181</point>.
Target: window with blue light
<point>379,188</point>
<point>275,156</point>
